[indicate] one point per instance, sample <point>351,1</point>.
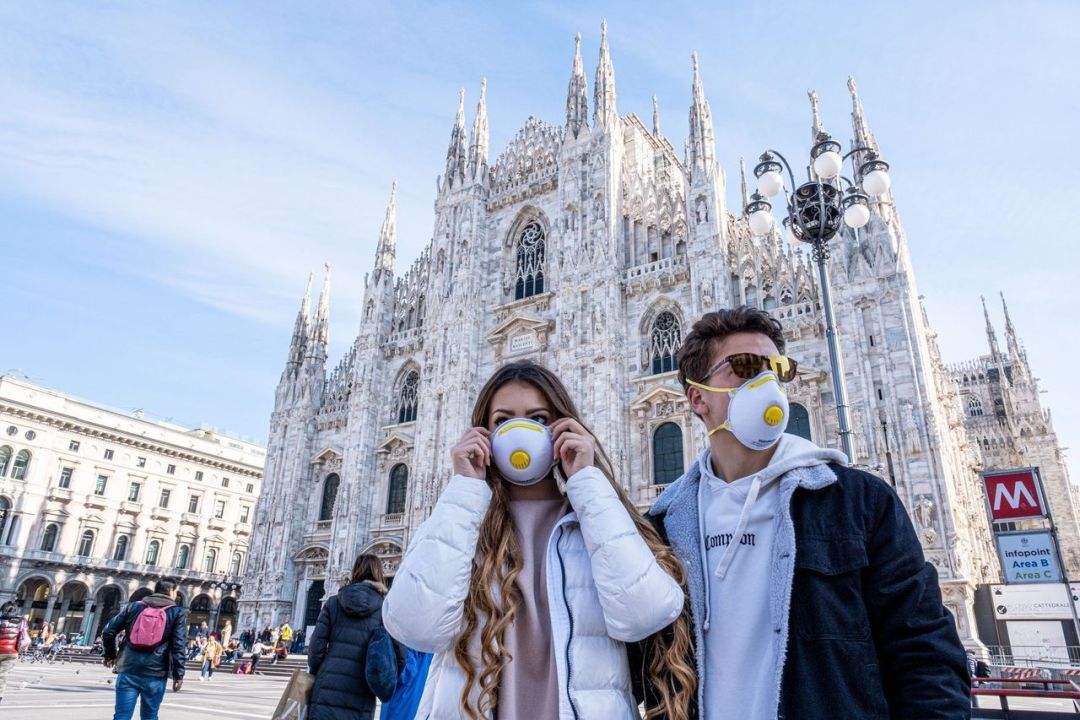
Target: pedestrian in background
<point>211,658</point>
<point>14,639</point>
<point>340,652</point>
<point>155,635</point>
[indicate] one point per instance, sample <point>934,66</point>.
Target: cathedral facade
<point>591,247</point>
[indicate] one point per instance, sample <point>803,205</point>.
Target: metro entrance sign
<point>1014,494</point>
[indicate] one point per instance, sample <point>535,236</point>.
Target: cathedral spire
<point>577,99</point>
<point>816,128</point>
<point>1016,352</point>
<point>387,247</point>
<point>655,117</point>
<point>991,336</point>
<point>605,113</point>
<point>742,185</point>
<point>478,150</point>
<point>863,135</point>
<point>320,331</point>
<point>702,145</point>
<point>456,154</point>
<point>300,329</point>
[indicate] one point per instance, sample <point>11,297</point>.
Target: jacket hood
<point>158,601</point>
<point>793,452</point>
<point>362,598</point>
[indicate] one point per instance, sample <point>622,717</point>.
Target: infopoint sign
<point>1028,557</point>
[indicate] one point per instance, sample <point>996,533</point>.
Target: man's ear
<point>697,402</point>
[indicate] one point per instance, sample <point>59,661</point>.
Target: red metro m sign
<point>1014,494</point>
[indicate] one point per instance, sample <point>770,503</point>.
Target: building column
<point>49,608</point>
<point>64,607</point>
<point>90,615</point>
<point>298,604</point>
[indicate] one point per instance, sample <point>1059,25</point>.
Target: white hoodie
<point>737,524</point>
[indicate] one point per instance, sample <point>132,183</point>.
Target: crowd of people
<point>771,580</point>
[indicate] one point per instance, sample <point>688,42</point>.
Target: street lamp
<point>815,211</point>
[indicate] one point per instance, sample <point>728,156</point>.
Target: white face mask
<point>757,411</point>
<point>523,450</point>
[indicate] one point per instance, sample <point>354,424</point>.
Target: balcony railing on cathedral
<point>657,274</point>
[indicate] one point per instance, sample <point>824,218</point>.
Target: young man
<point>14,639</point>
<point>808,588</point>
<point>154,649</point>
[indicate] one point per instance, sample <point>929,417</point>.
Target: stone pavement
<point>85,692</point>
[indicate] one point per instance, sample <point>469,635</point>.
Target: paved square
<point>73,691</point>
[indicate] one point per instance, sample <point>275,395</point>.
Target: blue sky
<point>170,172</point>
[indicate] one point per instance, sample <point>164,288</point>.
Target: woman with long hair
<point>534,570</point>
<point>340,644</point>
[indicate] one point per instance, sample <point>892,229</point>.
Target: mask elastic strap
<point>710,388</point>
<point>718,428</point>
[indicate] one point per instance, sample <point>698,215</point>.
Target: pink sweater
<point>528,688</point>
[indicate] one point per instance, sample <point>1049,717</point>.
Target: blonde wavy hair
<point>498,561</point>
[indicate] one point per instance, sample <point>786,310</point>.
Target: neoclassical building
<point>591,247</point>
<point>95,504</point>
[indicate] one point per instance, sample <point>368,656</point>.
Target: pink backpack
<point>148,630</point>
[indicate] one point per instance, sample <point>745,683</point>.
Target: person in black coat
<point>338,649</point>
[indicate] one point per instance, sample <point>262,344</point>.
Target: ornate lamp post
<point>815,211</point>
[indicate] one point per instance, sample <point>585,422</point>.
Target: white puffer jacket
<point>604,588</point>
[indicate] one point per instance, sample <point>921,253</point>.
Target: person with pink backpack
<point>153,650</point>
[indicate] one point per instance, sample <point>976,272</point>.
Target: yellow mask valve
<point>520,459</point>
<point>774,415</point>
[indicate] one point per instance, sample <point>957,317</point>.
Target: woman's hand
<point>472,454</point>
<point>574,446</point>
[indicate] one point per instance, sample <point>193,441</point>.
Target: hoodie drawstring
<point>736,538</point>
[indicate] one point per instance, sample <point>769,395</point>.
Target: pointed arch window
<point>664,342</point>
<point>975,406</point>
<point>329,497</point>
<point>395,495</point>
<point>5,459</point>
<point>798,421</point>
<point>120,552</point>
<point>21,466</point>
<point>529,272</point>
<point>152,552</point>
<point>48,540</point>
<point>667,445</point>
<point>86,543</point>
<point>407,397</point>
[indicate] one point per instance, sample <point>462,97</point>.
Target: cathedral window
<point>666,336</point>
<point>529,273</point>
<point>975,406</point>
<point>407,397</point>
<point>329,497</point>
<point>395,495</point>
<point>667,453</point>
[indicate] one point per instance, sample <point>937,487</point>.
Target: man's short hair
<point>697,347</point>
<point>164,586</point>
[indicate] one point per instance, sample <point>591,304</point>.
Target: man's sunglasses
<point>748,365</point>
